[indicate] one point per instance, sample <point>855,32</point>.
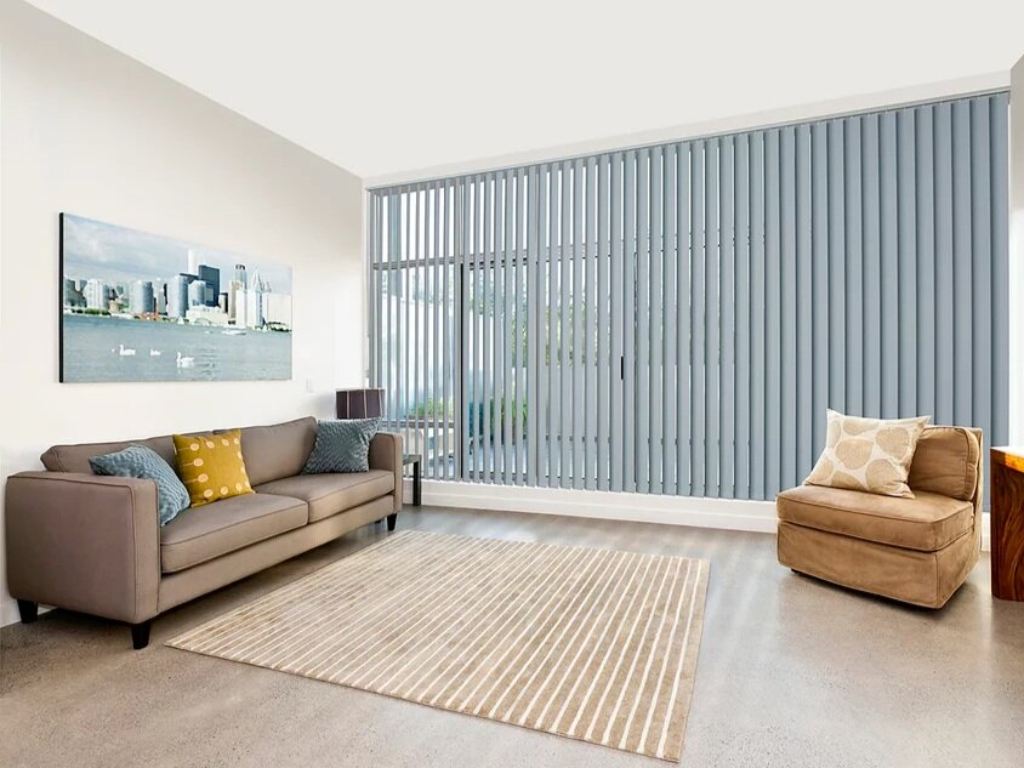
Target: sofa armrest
<point>386,453</point>
<point>84,542</point>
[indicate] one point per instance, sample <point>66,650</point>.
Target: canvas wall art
<point>142,307</point>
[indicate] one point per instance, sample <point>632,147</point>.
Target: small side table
<point>1007,523</point>
<point>417,492</point>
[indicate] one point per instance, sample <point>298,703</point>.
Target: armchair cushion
<point>872,455</point>
<point>925,523</point>
<point>947,461</point>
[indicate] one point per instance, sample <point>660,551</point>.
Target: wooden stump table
<point>1007,521</point>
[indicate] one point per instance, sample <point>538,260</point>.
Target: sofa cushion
<point>277,450</point>
<point>145,464</point>
<point>947,461</point>
<point>330,494</point>
<point>211,466</point>
<point>75,458</point>
<point>203,533</point>
<point>341,446</point>
<point>926,523</point>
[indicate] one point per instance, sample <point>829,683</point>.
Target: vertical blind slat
<point>683,340</point>
<point>925,237</point>
<point>496,407</point>
<point>872,342</point>
<point>508,331</point>
<point>906,215</point>
<point>805,289</point>
<point>758,319</point>
<point>697,318</point>
<point>597,473</point>
<point>1000,228</point>
<point>889,276</point>
<point>642,418</point>
<point>773,309</point>
<point>565,269</point>
<point>837,334</point>
<point>487,258</point>
<point>820,257</point>
<point>615,432</point>
<point>655,410</point>
<point>963,269</point>
<point>673,261</point>
<point>789,290</point>
<point>713,320</point>
<point>742,302</point>
<point>579,349</point>
<point>727,285</point>
<point>553,389</point>
<point>628,319</point>
<point>980,322</point>
<point>944,292</point>
<point>854,266</point>
<point>446,365</point>
<point>532,280</point>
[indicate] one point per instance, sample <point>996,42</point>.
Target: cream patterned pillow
<point>870,455</point>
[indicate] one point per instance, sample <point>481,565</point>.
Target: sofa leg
<point>28,610</point>
<point>140,635</point>
<point>392,521</point>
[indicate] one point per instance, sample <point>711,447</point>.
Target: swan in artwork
<point>155,353</point>
<point>185,362</point>
<point>124,351</point>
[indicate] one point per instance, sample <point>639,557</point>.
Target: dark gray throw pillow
<point>342,446</point>
<point>141,462</point>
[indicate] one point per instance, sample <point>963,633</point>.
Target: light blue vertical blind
<point>676,319</point>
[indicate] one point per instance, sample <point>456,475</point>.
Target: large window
<point>675,319</point>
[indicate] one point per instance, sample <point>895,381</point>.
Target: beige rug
<point>593,644</point>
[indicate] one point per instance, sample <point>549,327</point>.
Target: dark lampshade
<point>360,403</point>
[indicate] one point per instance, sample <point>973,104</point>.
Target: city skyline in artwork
<point>142,307</point>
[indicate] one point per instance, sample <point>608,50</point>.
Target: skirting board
<point>725,514</point>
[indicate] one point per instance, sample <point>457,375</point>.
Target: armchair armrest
<point>386,453</point>
<point>84,542</point>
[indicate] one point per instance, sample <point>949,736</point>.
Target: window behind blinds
<point>675,319</point>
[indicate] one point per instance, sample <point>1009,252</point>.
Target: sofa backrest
<point>277,450</point>
<point>270,452</point>
<point>947,461</point>
<point>75,458</point>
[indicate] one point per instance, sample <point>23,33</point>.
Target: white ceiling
<point>382,87</point>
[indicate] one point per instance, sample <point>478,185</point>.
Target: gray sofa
<point>93,544</point>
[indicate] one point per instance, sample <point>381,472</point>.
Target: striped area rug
<point>594,644</point>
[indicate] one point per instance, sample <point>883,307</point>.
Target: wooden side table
<point>1007,522</point>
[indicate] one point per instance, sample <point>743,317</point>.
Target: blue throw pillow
<point>342,446</point>
<point>144,463</point>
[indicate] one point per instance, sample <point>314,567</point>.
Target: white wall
<point>87,130</point>
<point>1017,254</point>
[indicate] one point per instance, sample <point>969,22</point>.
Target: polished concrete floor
<point>792,672</point>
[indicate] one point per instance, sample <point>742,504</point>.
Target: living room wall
<point>87,130</point>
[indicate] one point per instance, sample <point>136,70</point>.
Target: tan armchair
<point>916,550</point>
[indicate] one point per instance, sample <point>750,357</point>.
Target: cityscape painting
<point>141,307</point>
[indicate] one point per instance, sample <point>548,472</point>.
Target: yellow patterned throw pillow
<point>871,455</point>
<point>211,466</point>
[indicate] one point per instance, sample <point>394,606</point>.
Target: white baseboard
<point>607,505</point>
<point>726,514</point>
